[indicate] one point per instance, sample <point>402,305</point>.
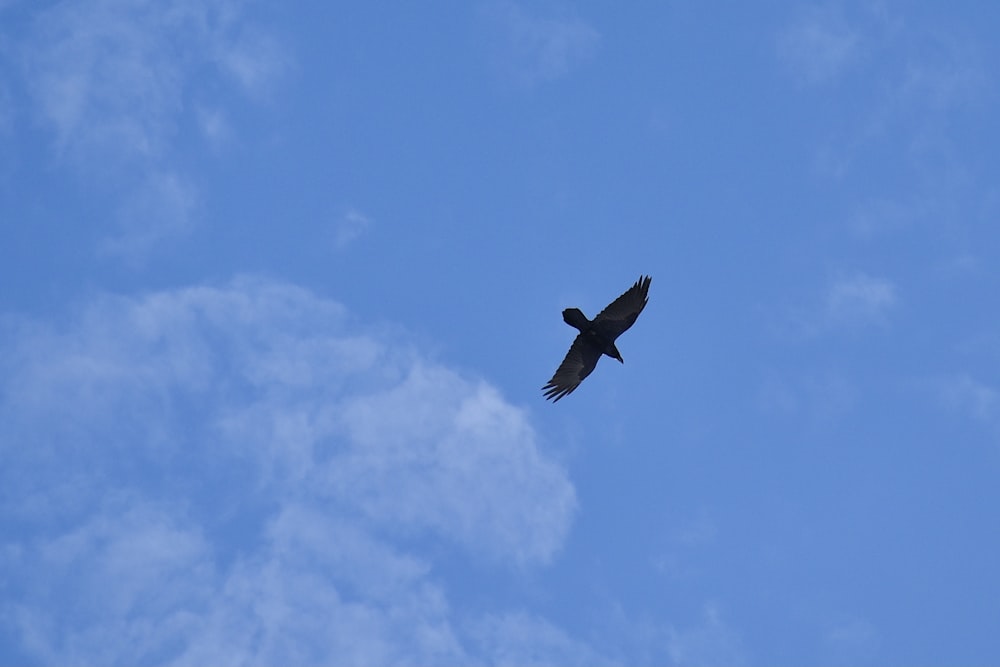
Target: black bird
<point>596,337</point>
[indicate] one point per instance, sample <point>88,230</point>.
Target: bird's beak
<point>620,360</point>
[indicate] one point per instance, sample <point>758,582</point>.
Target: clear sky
<point>281,283</point>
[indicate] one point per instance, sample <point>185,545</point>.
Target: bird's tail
<point>575,318</point>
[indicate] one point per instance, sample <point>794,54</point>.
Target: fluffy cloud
<point>240,474</point>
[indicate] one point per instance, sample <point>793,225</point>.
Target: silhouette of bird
<point>596,337</point>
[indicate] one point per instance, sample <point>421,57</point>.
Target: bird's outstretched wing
<point>579,362</point>
<point>623,311</point>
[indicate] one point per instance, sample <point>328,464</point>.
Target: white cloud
<point>111,75</point>
<point>237,474</point>
<point>697,532</point>
<point>902,110</point>
<point>472,434</point>
<point>943,70</point>
<point>851,640</point>
<point>879,217</point>
<point>116,80</point>
<point>859,299</point>
<point>350,226</point>
<point>106,75</point>
<point>942,205</point>
<point>254,58</point>
<point>819,397</point>
<point>113,588</point>
<point>818,45</point>
<point>533,49</point>
<point>712,642</point>
<point>967,394</point>
<point>161,208</point>
<point>214,126</point>
<point>683,554</point>
<point>323,591</point>
<point>852,301</point>
<point>519,638</point>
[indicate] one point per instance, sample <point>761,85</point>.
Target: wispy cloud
<point>712,642</point>
<point>350,226</point>
<point>899,112</point>
<point>534,49</point>
<point>160,208</point>
<point>878,217</point>
<point>215,126</point>
<point>943,70</point>
<point>111,75</point>
<point>819,44</point>
<point>679,560</point>
<point>698,531</point>
<point>518,638</point>
<point>820,397</point>
<point>114,81</point>
<point>859,299</point>
<point>851,640</point>
<point>238,474</point>
<point>973,397</point>
<point>851,301</point>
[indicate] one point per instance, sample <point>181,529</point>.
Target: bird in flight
<point>596,337</point>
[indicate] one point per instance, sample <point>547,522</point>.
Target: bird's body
<point>596,338</point>
<point>594,332</point>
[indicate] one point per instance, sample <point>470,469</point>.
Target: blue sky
<point>282,283</point>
